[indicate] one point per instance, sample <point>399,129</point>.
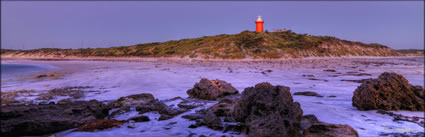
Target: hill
<point>247,44</point>
<point>411,52</point>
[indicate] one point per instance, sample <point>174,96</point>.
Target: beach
<point>332,78</point>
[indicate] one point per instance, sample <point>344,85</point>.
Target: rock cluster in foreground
<point>260,111</point>
<point>390,91</point>
<point>30,120</point>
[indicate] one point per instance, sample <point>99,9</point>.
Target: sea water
<point>15,74</point>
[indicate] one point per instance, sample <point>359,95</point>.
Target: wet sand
<point>168,78</point>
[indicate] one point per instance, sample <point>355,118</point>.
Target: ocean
<point>13,74</point>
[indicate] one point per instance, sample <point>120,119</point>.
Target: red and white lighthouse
<point>259,22</point>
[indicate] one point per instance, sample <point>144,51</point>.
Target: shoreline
<point>187,59</point>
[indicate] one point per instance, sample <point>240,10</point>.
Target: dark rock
<point>131,125</point>
<point>169,125</point>
<point>224,107</point>
<point>352,73</point>
<point>234,127</point>
<point>399,117</point>
<point>191,103</point>
<point>171,111</point>
<point>322,129</point>
<point>419,91</point>
<point>76,92</point>
<point>167,112</point>
<point>155,105</point>
<point>119,111</point>
<point>308,120</point>
<point>313,79</point>
<point>211,89</point>
<point>193,116</point>
<point>164,117</point>
<point>308,93</point>
<point>266,71</point>
<point>218,116</point>
<point>140,118</point>
<point>192,126</point>
<point>312,127</point>
<point>389,92</point>
<point>175,98</point>
<point>357,81</point>
<point>65,101</point>
<point>331,96</point>
<point>268,110</point>
<point>212,121</point>
<point>41,76</point>
<point>26,120</point>
<point>136,99</point>
<point>304,75</point>
<point>318,79</point>
<point>101,125</point>
<point>329,70</point>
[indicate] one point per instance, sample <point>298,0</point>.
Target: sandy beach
<point>169,78</point>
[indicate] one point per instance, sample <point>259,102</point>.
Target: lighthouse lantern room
<point>259,23</point>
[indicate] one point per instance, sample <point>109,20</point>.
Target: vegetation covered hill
<point>247,44</point>
<point>412,52</point>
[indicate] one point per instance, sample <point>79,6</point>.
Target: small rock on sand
<point>211,89</point>
<point>308,93</point>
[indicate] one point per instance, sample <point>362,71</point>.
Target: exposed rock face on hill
<point>269,110</point>
<point>390,91</point>
<point>280,44</point>
<point>211,89</point>
<point>30,120</point>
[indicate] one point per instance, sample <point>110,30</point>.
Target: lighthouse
<point>259,23</point>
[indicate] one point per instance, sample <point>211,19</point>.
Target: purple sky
<point>77,24</point>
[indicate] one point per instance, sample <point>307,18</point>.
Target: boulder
<point>312,127</point>
<point>268,110</point>
<point>211,89</point>
<point>33,120</point>
<point>136,99</point>
<point>390,91</point>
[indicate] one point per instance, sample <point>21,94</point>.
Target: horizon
<point>398,25</point>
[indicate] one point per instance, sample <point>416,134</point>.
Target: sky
<point>102,24</point>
